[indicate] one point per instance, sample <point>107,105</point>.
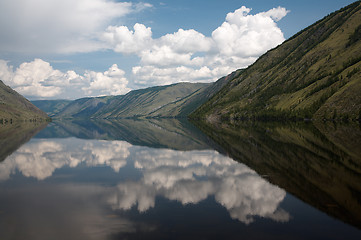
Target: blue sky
<point>56,49</point>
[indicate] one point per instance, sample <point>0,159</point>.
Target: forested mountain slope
<point>315,74</point>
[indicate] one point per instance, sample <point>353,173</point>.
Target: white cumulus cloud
<point>245,35</point>
<point>276,13</point>
<point>169,50</point>
<point>154,75</point>
<point>123,40</point>
<point>187,41</point>
<point>38,79</point>
<point>188,55</point>
<point>111,82</point>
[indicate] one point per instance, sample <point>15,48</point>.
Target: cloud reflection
<point>40,158</point>
<point>190,177</point>
<point>187,177</point>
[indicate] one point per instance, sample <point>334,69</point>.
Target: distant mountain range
<point>14,107</point>
<point>176,100</point>
<point>314,74</point>
<point>51,107</point>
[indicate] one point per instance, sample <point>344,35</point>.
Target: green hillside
<point>315,74</point>
<point>187,105</point>
<point>14,107</point>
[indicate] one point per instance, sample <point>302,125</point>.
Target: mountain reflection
<point>317,162</point>
<point>157,133</point>
<point>12,136</point>
<point>184,176</point>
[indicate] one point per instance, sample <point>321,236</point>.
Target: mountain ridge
<point>315,74</point>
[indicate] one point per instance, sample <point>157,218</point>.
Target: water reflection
<point>108,188</point>
<point>62,211</point>
<point>187,177</point>
<point>156,133</point>
<point>40,158</point>
<point>319,163</point>
<point>12,136</point>
<point>178,176</point>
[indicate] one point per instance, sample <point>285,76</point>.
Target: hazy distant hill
<point>176,100</point>
<point>314,74</point>
<point>51,107</point>
<point>14,107</point>
<point>149,102</point>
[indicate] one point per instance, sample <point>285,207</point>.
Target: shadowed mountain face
<point>320,164</point>
<point>13,106</point>
<point>314,74</point>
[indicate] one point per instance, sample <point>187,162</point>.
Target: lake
<point>166,179</point>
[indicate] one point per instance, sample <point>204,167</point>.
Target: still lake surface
<point>165,179</point>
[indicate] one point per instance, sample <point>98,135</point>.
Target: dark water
<point>165,180</point>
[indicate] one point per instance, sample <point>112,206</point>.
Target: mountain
<point>314,74</point>
<point>51,107</point>
<point>14,107</point>
<point>176,100</point>
<point>149,102</point>
<point>187,105</point>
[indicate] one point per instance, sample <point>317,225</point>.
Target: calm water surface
<point>161,180</point>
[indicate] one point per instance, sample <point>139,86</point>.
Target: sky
<point>69,49</point>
